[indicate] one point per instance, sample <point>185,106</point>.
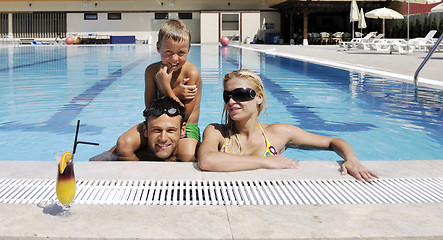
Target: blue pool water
<point>44,90</point>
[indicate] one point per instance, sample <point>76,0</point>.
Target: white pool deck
<point>319,221</point>
<point>393,66</point>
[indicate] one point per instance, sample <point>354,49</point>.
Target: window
<point>185,15</point>
<point>114,16</point>
<point>161,16</point>
<point>90,16</point>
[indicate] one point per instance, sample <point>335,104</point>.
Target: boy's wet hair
<point>176,30</point>
<point>162,106</point>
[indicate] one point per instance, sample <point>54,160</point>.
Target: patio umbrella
<point>384,13</point>
<point>263,25</point>
<point>354,15</point>
<point>438,8</point>
<point>262,31</point>
<point>362,22</point>
<point>420,2</point>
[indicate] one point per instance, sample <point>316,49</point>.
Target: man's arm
<point>109,155</point>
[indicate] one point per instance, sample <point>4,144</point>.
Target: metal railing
<point>39,24</point>
<point>235,35</point>
<point>425,61</point>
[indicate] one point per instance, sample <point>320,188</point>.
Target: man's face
<point>163,134</point>
<point>173,53</point>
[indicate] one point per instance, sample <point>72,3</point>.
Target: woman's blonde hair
<point>176,30</point>
<point>255,82</point>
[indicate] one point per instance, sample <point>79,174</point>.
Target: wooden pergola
<point>325,7</point>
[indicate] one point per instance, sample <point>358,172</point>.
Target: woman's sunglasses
<point>239,95</point>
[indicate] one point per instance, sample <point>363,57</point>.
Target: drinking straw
<point>90,143</point>
<point>76,135</point>
<point>77,142</point>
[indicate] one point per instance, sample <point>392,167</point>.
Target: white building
<point>208,20</point>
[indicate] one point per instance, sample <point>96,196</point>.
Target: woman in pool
<point>242,143</point>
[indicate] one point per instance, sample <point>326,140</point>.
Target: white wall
<point>250,25</point>
<point>209,27</point>
<point>138,16</point>
<point>194,25</point>
<point>140,25</point>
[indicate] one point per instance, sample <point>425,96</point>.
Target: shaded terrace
<point>303,16</point>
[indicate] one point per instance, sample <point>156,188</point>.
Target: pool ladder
<point>235,35</point>
<point>424,62</point>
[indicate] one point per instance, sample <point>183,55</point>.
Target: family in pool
<point>170,131</point>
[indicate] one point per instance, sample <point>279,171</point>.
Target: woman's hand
<point>185,92</point>
<point>357,170</point>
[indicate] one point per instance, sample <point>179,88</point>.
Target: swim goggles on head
<point>155,112</point>
<point>239,95</point>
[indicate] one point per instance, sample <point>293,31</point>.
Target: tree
<point>418,29</point>
<point>394,31</point>
<point>434,24</point>
<point>440,28</point>
<point>403,29</point>
<point>426,26</point>
<point>412,31</point>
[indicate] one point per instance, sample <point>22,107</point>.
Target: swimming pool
<point>45,89</point>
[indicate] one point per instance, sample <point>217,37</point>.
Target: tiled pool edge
<point>373,221</point>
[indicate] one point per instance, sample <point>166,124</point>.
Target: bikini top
<point>270,150</point>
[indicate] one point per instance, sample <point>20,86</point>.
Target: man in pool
<point>163,127</point>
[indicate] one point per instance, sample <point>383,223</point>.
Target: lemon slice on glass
<point>66,157</point>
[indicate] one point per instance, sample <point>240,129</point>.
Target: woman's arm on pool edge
<point>351,163</point>
<point>210,159</point>
<point>302,139</point>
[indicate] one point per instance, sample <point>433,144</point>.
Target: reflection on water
<point>46,89</point>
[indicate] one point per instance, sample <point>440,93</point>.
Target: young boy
<point>173,77</point>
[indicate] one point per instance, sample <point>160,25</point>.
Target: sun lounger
<point>354,43</point>
<point>369,44</point>
<point>428,46</point>
<point>400,46</point>
<point>389,45</point>
<point>26,41</point>
<point>424,44</point>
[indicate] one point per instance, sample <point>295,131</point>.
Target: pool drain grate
<point>206,192</point>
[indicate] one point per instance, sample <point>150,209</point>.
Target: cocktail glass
<point>66,186</point>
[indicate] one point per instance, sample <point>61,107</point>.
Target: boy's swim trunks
<point>193,131</point>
